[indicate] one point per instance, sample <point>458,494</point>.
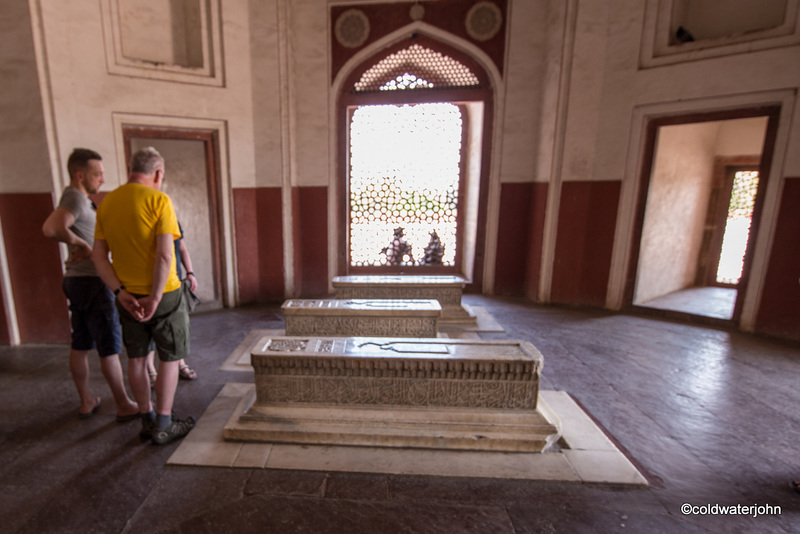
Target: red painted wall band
<point>34,265</point>
<point>586,223</point>
<point>779,310</point>
<point>259,244</point>
<point>311,240</point>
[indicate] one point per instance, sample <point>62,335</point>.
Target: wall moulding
<point>358,25</point>
<point>710,37</point>
<point>170,41</point>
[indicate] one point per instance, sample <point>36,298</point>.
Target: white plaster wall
<point>24,161</point>
<point>605,86</point>
<point>525,82</point>
<point>742,137</point>
<point>265,49</point>
<point>164,23</point>
<point>677,204</point>
<point>617,102</point>
<point>553,51</point>
<point>309,83</point>
<point>701,17</point>
<point>586,90</point>
<point>84,95</point>
<point>606,62</point>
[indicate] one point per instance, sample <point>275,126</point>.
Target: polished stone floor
<point>709,416</point>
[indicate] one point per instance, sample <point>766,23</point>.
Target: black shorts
<point>95,323</point>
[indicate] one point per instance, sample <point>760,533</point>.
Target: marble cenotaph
<point>396,392</point>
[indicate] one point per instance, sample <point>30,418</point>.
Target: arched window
<point>414,119</point>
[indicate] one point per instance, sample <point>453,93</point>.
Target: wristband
<point>191,272</point>
<point>116,291</point>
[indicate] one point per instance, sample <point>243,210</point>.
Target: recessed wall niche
<point>160,32</point>
<point>710,19</point>
<point>686,30</point>
<point>175,40</point>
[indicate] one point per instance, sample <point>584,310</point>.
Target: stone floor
<point>708,415</point>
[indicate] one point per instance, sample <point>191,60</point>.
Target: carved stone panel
<point>397,371</point>
<point>396,391</point>
<point>305,325</point>
<point>362,317</point>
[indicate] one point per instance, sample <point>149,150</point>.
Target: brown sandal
<point>186,372</point>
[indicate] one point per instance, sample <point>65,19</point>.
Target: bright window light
<point>404,173</point>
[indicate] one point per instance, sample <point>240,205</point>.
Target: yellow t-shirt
<point>129,218</point>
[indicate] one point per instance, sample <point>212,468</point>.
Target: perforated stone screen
<point>737,227</point>
<point>416,67</point>
<point>404,173</point>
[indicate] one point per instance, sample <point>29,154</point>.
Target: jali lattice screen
<point>404,174</point>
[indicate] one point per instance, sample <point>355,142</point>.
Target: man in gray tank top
<point>94,318</point>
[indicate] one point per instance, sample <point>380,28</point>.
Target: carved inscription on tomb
<point>396,391</point>
<point>325,345</point>
<point>287,345</point>
<point>310,304</point>
<point>309,325</point>
<point>446,368</point>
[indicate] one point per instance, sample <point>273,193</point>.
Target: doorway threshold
<point>707,305</point>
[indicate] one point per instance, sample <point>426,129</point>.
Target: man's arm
<point>164,248</point>
<point>186,260</point>
<point>57,227</point>
<point>106,271</point>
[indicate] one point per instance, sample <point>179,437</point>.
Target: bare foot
<point>86,412</point>
<point>129,412</point>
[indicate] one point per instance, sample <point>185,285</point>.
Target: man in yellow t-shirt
<point>136,224</point>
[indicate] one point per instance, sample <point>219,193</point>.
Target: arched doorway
<point>414,155</point>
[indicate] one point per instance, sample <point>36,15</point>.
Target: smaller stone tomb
<point>362,317</point>
<point>446,289</point>
<point>395,392</point>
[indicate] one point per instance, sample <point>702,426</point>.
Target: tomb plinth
<point>446,289</point>
<point>362,317</point>
<point>395,392</point>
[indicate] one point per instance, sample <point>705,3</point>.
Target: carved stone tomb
<point>396,392</point>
